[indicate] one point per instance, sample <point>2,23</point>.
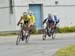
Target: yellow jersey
<point>32,19</point>
<point>25,18</point>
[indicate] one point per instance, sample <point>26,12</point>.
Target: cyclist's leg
<point>31,25</point>
<point>55,28</point>
<point>22,32</point>
<point>52,27</point>
<point>48,25</point>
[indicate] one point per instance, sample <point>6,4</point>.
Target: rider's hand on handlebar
<point>18,24</point>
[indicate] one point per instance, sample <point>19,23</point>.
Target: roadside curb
<point>40,35</point>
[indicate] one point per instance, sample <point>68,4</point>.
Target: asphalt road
<point>36,46</point>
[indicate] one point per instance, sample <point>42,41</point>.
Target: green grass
<point>7,34</point>
<point>67,51</point>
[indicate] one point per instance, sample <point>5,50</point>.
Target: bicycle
<point>23,33</point>
<point>50,32</point>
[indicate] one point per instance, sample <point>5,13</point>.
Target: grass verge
<point>67,51</point>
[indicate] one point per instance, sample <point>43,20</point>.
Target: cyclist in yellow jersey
<point>32,21</point>
<point>25,19</point>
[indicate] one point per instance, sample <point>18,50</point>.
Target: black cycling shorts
<point>26,22</point>
<point>50,21</point>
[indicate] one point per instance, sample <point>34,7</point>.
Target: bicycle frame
<point>23,33</point>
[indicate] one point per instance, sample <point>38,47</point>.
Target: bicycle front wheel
<point>18,38</point>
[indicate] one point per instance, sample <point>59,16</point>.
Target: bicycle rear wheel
<point>26,39</point>
<point>53,34</point>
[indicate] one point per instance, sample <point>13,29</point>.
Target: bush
<point>59,30</point>
<point>34,30</point>
<point>66,29</point>
<point>67,51</point>
<point>37,31</point>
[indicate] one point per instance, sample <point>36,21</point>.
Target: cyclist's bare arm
<point>19,21</point>
<point>44,21</point>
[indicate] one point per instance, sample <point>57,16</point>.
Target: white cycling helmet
<point>24,13</point>
<point>49,15</point>
<point>30,13</point>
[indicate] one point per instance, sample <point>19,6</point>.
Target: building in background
<point>11,10</point>
<point>7,16</point>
